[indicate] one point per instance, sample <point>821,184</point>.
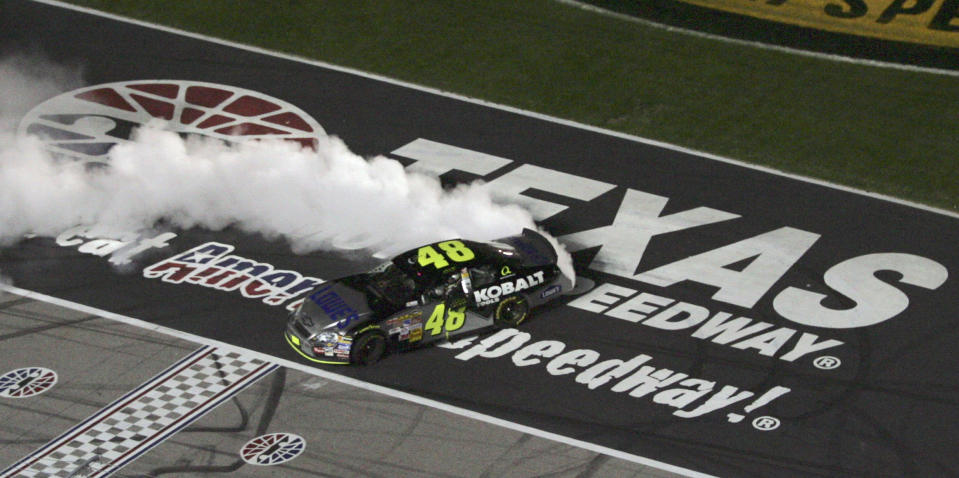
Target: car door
<point>450,314</point>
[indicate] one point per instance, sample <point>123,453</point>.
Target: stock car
<point>425,295</point>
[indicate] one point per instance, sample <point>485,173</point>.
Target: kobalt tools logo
<point>211,265</point>
<point>492,294</point>
<point>86,123</point>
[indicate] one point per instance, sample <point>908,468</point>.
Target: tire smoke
<point>323,199</point>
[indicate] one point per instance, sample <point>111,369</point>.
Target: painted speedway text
<point>691,397</point>
<point>720,327</point>
<point>767,256</point>
<point>211,265</point>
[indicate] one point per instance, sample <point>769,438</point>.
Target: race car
<point>428,294</point>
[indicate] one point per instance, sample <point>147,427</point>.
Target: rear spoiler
<point>536,249</point>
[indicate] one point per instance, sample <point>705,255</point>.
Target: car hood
<point>338,305</point>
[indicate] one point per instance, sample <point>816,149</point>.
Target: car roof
<point>484,253</point>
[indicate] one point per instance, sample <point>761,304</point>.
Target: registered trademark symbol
<point>766,423</point>
<point>827,362</point>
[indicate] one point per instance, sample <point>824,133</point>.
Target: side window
<point>443,284</point>
<point>482,276</point>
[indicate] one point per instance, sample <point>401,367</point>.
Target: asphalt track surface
<point>98,359</point>
<point>888,410</point>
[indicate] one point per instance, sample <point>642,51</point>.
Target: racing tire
<point>368,348</point>
<point>511,312</point>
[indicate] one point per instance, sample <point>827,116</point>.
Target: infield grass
<point>888,131</point>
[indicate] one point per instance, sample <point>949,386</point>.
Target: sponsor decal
<point>26,382</point>
<point>493,293</point>
<point>637,377</point>
<point>403,325</point>
<point>416,334</point>
<point>212,266</point>
<point>550,291</point>
<point>505,272</point>
<point>334,306</point>
<point>84,124</point>
<point>931,22</point>
<point>412,317</point>
<point>272,449</point>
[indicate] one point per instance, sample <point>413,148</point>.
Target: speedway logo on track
<point>85,124</point>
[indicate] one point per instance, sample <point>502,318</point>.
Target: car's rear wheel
<point>368,348</point>
<point>511,312</point>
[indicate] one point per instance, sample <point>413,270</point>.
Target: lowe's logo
<point>334,306</point>
<point>550,291</point>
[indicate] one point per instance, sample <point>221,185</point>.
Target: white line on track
<point>756,44</point>
<point>440,405</point>
<point>533,114</point>
<point>146,416</point>
<point>252,354</point>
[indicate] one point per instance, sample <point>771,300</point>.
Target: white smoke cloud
<point>27,80</point>
<point>328,198</point>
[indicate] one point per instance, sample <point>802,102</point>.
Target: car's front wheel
<point>511,312</point>
<point>368,348</point>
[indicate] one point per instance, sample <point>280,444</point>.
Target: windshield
<point>392,284</point>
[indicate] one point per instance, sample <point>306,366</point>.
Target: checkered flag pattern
<point>144,417</point>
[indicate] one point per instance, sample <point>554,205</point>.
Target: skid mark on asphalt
<point>15,302</point>
<point>518,444</point>
<point>44,328</point>
<point>145,416</point>
<point>271,403</point>
<point>338,460</point>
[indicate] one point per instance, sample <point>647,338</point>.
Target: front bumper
<point>334,353</point>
